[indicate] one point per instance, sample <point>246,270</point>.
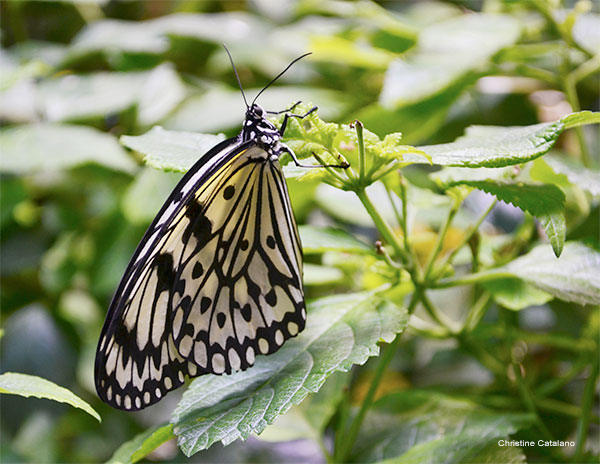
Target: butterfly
<point>216,279</point>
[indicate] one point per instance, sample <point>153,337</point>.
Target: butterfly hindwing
<point>215,281</point>
<point>241,294</point>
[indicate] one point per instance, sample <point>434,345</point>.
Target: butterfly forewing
<point>215,281</point>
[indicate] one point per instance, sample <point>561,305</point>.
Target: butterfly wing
<point>215,280</point>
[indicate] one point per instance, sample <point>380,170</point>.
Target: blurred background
<point>76,75</point>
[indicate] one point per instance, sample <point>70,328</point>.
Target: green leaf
<point>580,119</point>
<point>77,97</point>
<point>341,331</point>
<point>50,147</point>
<point>170,150</point>
<point>575,276</point>
<point>147,193</point>
<point>142,445</point>
<point>316,274</point>
<point>496,146</point>
<point>117,35</point>
<point>586,32</point>
<point>340,50</point>
<point>237,26</point>
<point>30,385</point>
<point>220,108</point>
<point>447,53</point>
<point>321,239</point>
<point>584,178</point>
<point>515,294</point>
<point>309,418</point>
<point>545,202</point>
<point>424,426</point>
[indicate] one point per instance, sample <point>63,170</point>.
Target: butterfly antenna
<point>279,75</point>
<point>236,75</point>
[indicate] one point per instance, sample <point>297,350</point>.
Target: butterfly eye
<point>258,111</point>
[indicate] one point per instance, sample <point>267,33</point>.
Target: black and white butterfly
<point>217,278</point>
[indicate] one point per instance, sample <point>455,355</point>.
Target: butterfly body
<point>216,279</point>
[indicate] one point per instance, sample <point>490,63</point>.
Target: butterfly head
<point>258,127</point>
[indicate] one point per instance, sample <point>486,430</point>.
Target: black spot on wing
<point>229,192</point>
<point>205,303</point>
<point>197,271</point>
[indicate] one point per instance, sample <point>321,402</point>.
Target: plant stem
<point>586,410</point>
<point>559,407</point>
<point>482,356</point>
<point>399,219</point>
<point>469,279</point>
<point>585,69</point>
<point>361,151</point>
<point>469,233</point>
<point>384,228</point>
<point>341,426</point>
<point>477,311</point>
<point>573,99</point>
<point>384,360</point>
<point>436,314</point>
<point>527,398</point>
<point>556,384</point>
<point>544,8</point>
<point>440,239</point>
<point>523,70</point>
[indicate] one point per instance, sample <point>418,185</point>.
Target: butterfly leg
<point>291,115</point>
<point>291,108</point>
<point>285,149</point>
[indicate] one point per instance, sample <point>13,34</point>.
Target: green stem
<point>384,228</point>
<point>477,311</point>
<point>426,329</point>
<point>361,152</point>
<point>417,272</point>
<point>469,233</point>
<point>440,239</point>
<point>560,407</point>
<point>399,218</point>
<point>385,359</point>
<point>586,410</point>
<point>585,69</point>
<point>436,314</point>
<point>476,278</point>
<point>482,356</point>
<point>523,70</point>
<point>341,426</point>
<point>548,339</point>
<point>544,8</point>
<point>334,173</point>
<point>527,398</point>
<point>573,99</point>
<point>554,385</point>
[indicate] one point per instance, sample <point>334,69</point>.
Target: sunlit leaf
<point>341,331</point>
<point>51,147</point>
<point>30,385</point>
<point>544,201</point>
<point>141,445</point>
<point>170,150</point>
<point>585,178</point>
<point>575,276</point>
<point>446,53</point>
<point>425,426</point>
<point>495,146</point>
<point>515,294</point>
<point>321,239</point>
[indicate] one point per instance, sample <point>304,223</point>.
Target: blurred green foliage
<point>499,342</point>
